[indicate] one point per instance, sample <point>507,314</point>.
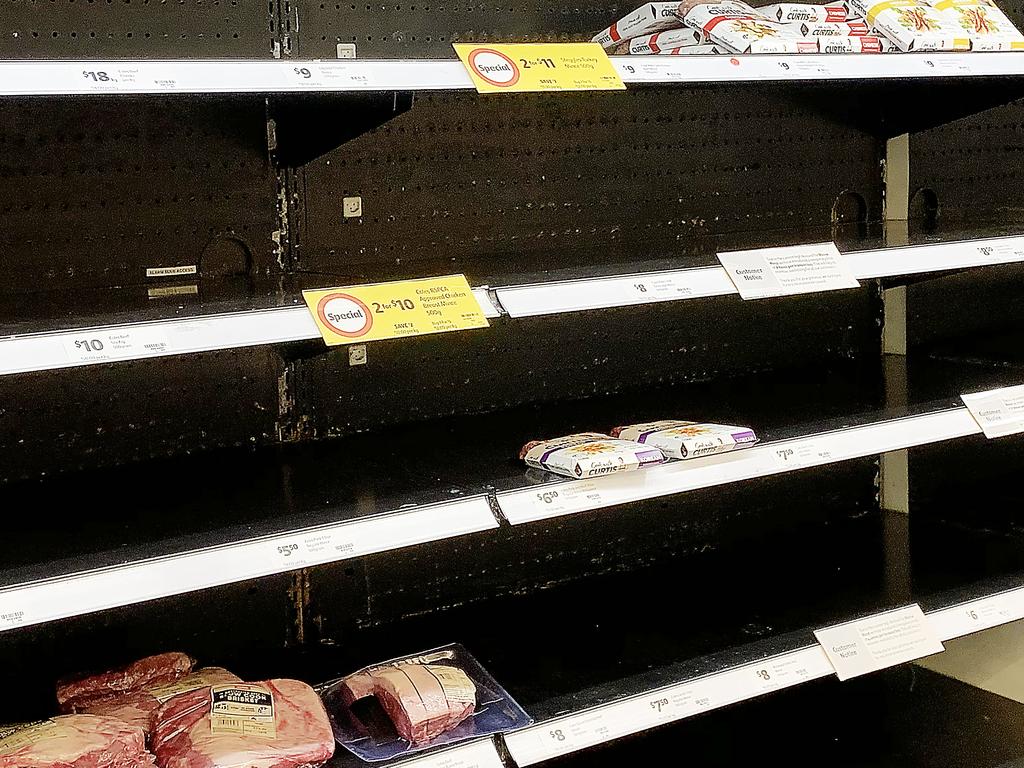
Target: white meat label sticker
<point>765,272</point>
<point>878,642</point>
<point>999,412</point>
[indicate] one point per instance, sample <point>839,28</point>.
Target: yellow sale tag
<point>390,310</point>
<point>529,67</point>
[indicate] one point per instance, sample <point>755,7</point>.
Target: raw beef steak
<point>74,741</point>
<point>139,707</point>
<point>164,668</point>
<point>184,736</point>
<point>422,700</point>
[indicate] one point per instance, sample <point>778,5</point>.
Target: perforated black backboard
<point>136,29</point>
<point>460,176</point>
<point>93,191</point>
<point>400,29</point>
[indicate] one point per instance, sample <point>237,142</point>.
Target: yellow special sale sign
<point>391,310</point>
<point>533,67</point>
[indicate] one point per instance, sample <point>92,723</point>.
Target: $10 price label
<point>392,310</point>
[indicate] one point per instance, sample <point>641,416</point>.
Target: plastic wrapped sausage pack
<point>913,25</point>
<point>790,12</point>
<point>645,20</point>
<point>987,27</point>
<point>665,42</point>
<point>413,703</point>
<point>688,439</point>
<point>741,29</point>
<point>589,454</point>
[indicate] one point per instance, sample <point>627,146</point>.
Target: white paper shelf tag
<point>477,754</point>
<point>999,412</point>
<point>786,271</point>
<point>879,642</point>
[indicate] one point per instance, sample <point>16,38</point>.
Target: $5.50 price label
<point>390,310</point>
<point>532,67</point>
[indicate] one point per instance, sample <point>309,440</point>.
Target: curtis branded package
<point>688,439</point>
<point>855,44</point>
<point>589,454</point>
<point>740,29</point>
<point>987,27</point>
<point>434,698</point>
<point>645,20</point>
<point>790,12</point>
<point>837,29</point>
<point>913,25</point>
<point>665,42</point>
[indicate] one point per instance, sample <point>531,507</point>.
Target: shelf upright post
<point>895,493</point>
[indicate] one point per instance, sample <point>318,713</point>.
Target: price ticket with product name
<point>391,310</point>
<point>532,67</point>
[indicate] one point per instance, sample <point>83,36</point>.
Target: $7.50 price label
<point>533,67</point>
<point>391,310</point>
<point>584,729</point>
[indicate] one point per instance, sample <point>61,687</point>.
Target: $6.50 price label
<point>392,310</point>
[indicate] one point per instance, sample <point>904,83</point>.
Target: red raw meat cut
<point>183,736</point>
<point>75,741</point>
<point>164,668</point>
<point>422,700</point>
<point>139,707</point>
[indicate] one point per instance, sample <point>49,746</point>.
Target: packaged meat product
<point>645,20</point>
<point>856,44</point>
<point>272,724</point>
<point>688,439</point>
<point>661,42</point>
<point>588,454</point>
<point>913,25</point>
<point>152,670</point>
<point>987,27</point>
<point>74,741</point>
<point>422,700</point>
<point>790,12</point>
<point>838,29</point>
<point>692,50</point>
<point>740,29</point>
<point>139,707</point>
<point>417,702</point>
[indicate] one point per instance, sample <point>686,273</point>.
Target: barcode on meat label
<point>13,737</point>
<point>246,710</point>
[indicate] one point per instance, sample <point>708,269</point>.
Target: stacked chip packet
<point>850,26</point>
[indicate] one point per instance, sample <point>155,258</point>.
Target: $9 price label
<point>393,310</point>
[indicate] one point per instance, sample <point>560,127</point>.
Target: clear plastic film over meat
<point>276,723</point>
<point>418,702</point>
<point>74,741</point>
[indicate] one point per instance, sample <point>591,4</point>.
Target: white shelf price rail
<point>570,733</point>
<point>132,341</point>
<point>90,591</point>
<point>571,496</point>
<point>976,615</point>
<point>672,285</point>
<point>476,754</point>
<point>90,77</point>
<point>563,735</point>
<point>135,341</point>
